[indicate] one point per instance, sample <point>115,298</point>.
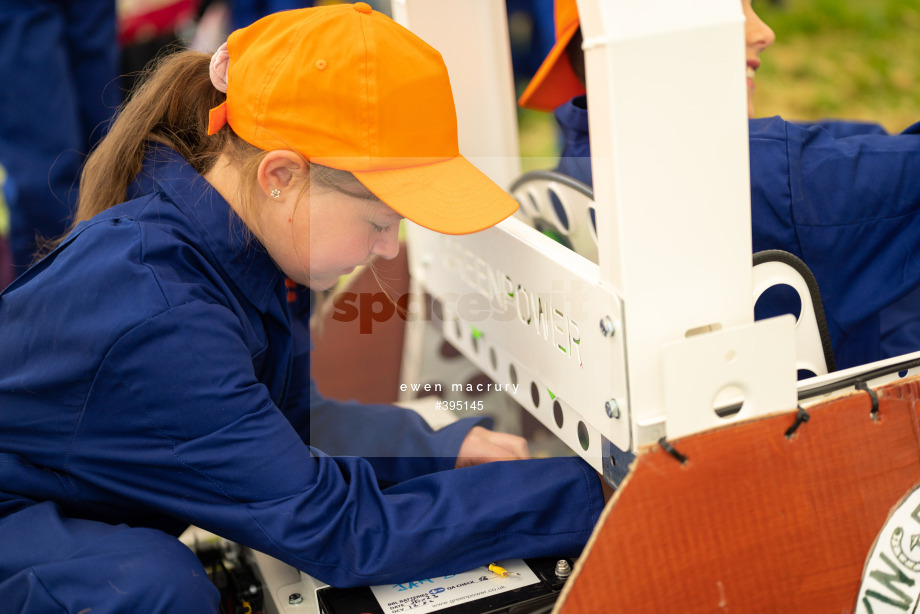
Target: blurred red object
<point>143,20</point>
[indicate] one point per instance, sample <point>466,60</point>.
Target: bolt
<point>295,598</point>
<point>613,409</point>
<point>608,327</point>
<point>563,569</point>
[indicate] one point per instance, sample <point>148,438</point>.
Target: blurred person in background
<point>58,67</point>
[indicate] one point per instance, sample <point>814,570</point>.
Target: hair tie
<point>220,63</point>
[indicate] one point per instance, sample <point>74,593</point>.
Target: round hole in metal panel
<point>728,401</point>
<point>435,313</point>
<point>778,300</point>
<point>447,350</point>
<point>532,204</point>
<point>583,436</point>
<point>562,215</point>
<point>437,309</point>
<point>535,394</point>
<point>512,375</point>
<point>493,358</point>
<point>558,416</point>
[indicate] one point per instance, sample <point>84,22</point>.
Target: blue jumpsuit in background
<point>151,378</point>
<point>59,63</point>
<point>842,196</point>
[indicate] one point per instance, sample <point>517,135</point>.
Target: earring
<point>275,193</point>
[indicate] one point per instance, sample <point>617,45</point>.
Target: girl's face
<point>317,238</point>
<point>758,36</point>
<point>344,231</point>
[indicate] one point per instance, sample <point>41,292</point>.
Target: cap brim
<point>555,82</point>
<point>452,196</point>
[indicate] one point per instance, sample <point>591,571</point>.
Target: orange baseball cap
<point>555,81</point>
<point>349,88</point>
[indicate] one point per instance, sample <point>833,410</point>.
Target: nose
<point>387,246</point>
<point>757,34</point>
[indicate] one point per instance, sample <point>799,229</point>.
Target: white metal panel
<point>708,373</point>
<point>528,311</point>
<point>809,346</point>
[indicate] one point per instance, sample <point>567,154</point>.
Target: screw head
<point>613,409</point>
<point>608,326</point>
<point>295,598</point>
<point>563,569</point>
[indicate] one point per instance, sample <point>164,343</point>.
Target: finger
<point>515,446</point>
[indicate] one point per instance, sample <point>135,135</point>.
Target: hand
<point>484,446</point>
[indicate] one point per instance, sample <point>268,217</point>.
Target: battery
<point>532,589</point>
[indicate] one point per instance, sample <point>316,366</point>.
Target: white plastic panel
<point>539,306</point>
<point>706,375</point>
<point>809,349</point>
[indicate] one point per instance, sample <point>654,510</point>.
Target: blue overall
<point>151,377</point>
<point>59,65</point>
<point>842,196</point>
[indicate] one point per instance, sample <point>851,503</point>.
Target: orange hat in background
<point>555,81</point>
<point>349,88</point>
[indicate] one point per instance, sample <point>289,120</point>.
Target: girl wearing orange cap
<point>152,375</point>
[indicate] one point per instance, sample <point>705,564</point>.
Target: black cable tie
<point>862,385</point>
<point>663,442</point>
<point>801,417</point>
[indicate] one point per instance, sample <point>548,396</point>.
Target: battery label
<point>433,594</point>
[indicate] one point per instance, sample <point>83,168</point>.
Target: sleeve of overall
<point>191,433</point>
<point>844,128</point>
<point>397,442</point>
<point>849,207</point>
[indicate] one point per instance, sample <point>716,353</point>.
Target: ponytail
<point>170,108</point>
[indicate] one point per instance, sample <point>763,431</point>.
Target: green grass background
<point>843,59</point>
<point>850,59</point>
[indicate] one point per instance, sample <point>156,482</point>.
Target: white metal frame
<point>671,185</point>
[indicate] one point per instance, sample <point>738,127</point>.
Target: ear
<point>281,169</point>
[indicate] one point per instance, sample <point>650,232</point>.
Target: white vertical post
<point>667,113</point>
<point>472,37</point>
